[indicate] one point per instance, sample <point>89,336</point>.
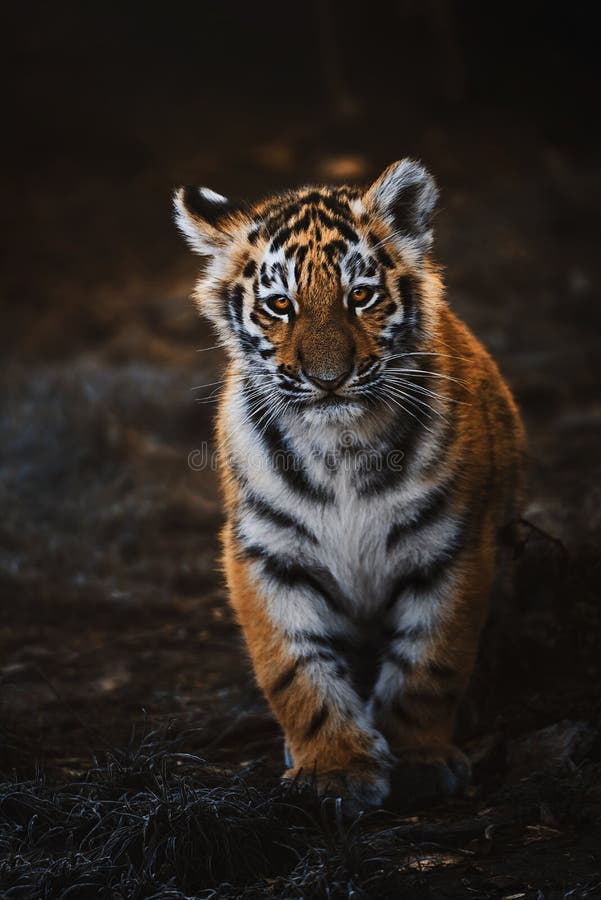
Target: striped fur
<point>370,452</point>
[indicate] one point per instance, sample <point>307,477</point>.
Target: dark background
<point>111,105</point>
<point>113,610</point>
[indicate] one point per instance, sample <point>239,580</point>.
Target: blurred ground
<point>113,610</point>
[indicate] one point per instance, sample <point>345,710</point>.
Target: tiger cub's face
<point>317,290</point>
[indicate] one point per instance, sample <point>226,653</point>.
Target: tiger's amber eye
<point>279,304</point>
<point>361,295</point>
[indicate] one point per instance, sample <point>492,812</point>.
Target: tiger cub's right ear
<point>205,218</point>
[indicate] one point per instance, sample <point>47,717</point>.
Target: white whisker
<point>241,376</point>
<point>396,379</point>
<point>206,349</point>
<point>391,237</point>
<point>390,356</point>
<point>416,401</point>
<point>428,373</point>
<point>404,408</point>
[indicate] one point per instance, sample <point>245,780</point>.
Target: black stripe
<point>324,655</point>
<point>361,655</point>
<point>298,266</point>
<point>425,577</point>
<point>329,210</point>
<point>383,258</point>
<point>337,206</point>
<point>291,467</point>
<point>401,713</point>
<point>449,436</point>
<point>370,269</point>
<point>336,643</point>
<point>317,722</point>
<point>303,223</point>
<point>348,193</point>
<point>334,248</point>
<point>249,269</point>
<point>401,439</point>
<point>295,575</point>
<point>285,679</point>
<point>277,214</point>
<point>236,300</point>
<point>286,463</point>
<point>224,297</point>
<point>250,551</point>
<point>440,670</point>
<point>234,309</point>
<point>315,198</point>
<point>278,269</point>
<point>277,516</point>
<point>290,574</point>
<point>337,224</point>
<point>409,294</point>
<point>412,633</point>
<point>430,697</point>
<point>424,513</point>
<point>401,661</point>
<point>249,342</point>
<point>311,198</point>
<point>355,265</point>
<point>281,237</point>
<point>284,208</point>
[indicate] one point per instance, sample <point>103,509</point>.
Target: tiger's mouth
<point>333,409</point>
<point>331,401</point>
<point>329,404</point>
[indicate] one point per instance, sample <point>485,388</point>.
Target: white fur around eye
<point>274,315</point>
<point>359,309</point>
<point>284,316</point>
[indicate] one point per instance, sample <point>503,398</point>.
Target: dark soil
<point>139,759</point>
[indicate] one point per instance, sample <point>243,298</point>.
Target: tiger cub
<point>370,453</point>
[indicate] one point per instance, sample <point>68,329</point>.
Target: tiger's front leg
<point>328,729</point>
<point>433,636</point>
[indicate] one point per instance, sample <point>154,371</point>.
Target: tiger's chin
<point>337,412</point>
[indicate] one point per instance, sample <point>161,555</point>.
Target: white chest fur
<point>349,531</point>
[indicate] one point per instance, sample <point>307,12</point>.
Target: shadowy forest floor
<point>139,759</point>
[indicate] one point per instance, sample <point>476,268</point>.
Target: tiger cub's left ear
<point>405,195</point>
<point>205,218</point>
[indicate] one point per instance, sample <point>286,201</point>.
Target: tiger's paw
<point>424,775</point>
<point>360,788</point>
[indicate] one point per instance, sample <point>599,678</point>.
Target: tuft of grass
<point>149,821</point>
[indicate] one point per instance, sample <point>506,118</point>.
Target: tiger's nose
<point>327,382</point>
